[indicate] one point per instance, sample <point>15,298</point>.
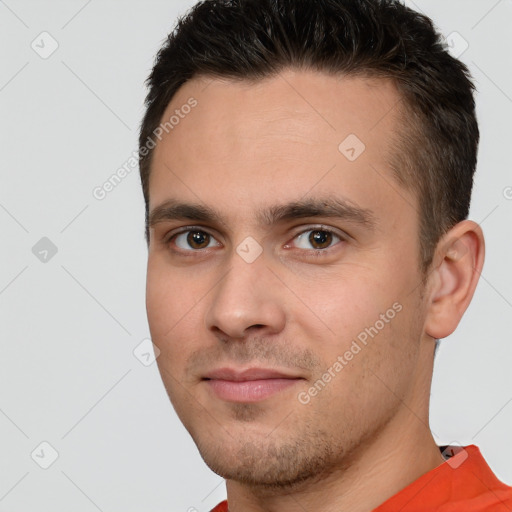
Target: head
<point>321,155</point>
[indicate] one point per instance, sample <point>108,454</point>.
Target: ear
<point>458,262</point>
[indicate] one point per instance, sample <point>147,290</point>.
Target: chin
<point>270,463</point>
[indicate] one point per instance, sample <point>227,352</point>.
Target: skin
<point>299,305</point>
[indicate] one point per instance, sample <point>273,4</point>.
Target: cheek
<point>172,311</point>
<point>362,317</point>
<point>170,294</point>
<point>343,304</point>
<point>362,383</point>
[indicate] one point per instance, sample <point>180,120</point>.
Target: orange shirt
<point>463,483</point>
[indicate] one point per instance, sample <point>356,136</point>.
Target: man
<point>307,169</point>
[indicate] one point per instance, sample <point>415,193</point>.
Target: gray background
<point>70,321</point>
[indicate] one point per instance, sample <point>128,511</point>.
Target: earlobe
<point>459,260</point>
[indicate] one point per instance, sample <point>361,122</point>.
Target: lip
<point>249,385</point>
<point>236,375</point>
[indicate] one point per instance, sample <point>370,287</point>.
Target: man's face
<point>289,336</point>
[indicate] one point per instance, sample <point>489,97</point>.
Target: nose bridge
<point>246,296</point>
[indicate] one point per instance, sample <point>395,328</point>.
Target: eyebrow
<point>321,207</point>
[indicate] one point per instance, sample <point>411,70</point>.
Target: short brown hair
<point>434,154</point>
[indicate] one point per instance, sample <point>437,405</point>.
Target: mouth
<point>250,385</point>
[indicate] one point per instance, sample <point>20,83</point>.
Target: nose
<point>247,301</point>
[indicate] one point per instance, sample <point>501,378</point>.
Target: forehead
<point>291,136</point>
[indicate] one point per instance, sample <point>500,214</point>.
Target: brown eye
<point>320,239</point>
<point>317,239</point>
<point>193,240</point>
<point>198,239</point>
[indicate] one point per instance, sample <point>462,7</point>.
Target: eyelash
<point>315,252</point>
